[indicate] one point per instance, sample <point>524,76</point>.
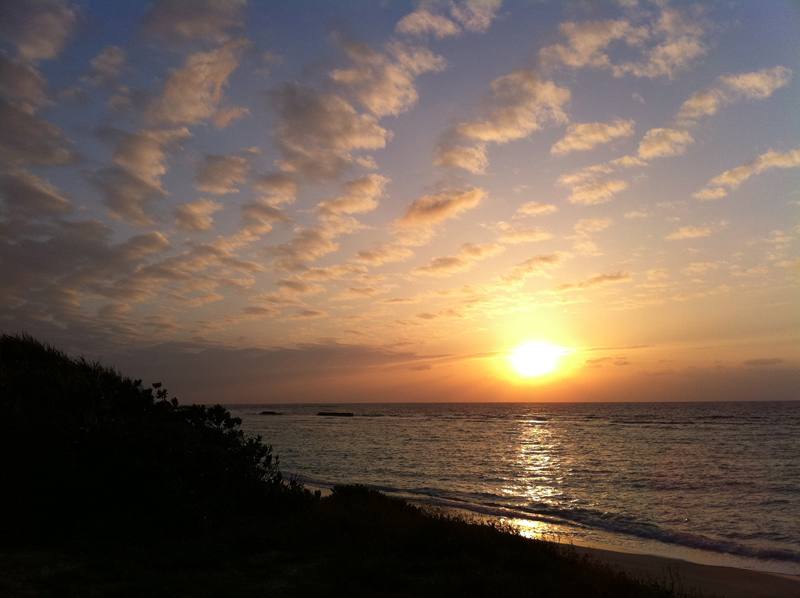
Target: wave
<point>616,523</point>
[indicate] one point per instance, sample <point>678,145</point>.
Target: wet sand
<point>710,580</point>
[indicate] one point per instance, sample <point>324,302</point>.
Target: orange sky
<point>379,201</point>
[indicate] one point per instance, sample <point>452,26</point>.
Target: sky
<point>315,201</point>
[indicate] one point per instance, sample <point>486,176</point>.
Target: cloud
<point>635,215</point>
<point>662,45</point>
<point>597,280</point>
<point>535,208</point>
<point>663,143</point>
<point>318,132</point>
<point>224,117</point>
<point>22,83</point>
<point>133,183</point>
<point>763,362</point>
<point>194,20</point>
<point>755,85</point>
<point>259,217</point>
<point>596,192</point>
<point>308,314</point>
<point>28,197</point>
<point>678,42</point>
<point>515,235</point>
<point>39,29</point>
<point>587,43</point>
<point>588,226</point>
<point>520,103</point>
<point>689,232</point>
<point>359,196</point>
<point>196,215</point>
<point>436,207</point>
<point>127,196</point>
<point>534,265</point>
<point>722,184</point>
<point>469,15</point>
<point>193,92</point>
<point>467,256</point>
<point>384,83</point>
<point>585,136</point>
<point>423,22</point>
<point>307,245</point>
<point>27,139</point>
<point>144,154</point>
<point>276,189</point>
<point>475,15</point>
<point>107,65</point>
<point>220,175</point>
<point>471,158</point>
<point>384,254</point>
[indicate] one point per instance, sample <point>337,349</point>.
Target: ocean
<point>715,483</point>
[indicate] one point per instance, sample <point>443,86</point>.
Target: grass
<point>114,490</point>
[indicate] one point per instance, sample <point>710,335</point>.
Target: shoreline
<point>723,581</point>
<point>727,582</point>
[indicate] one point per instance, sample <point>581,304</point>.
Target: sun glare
<point>536,358</point>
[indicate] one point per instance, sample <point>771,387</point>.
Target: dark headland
<point>113,488</point>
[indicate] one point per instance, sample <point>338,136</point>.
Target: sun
<point>536,358</point>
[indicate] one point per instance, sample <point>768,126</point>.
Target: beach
<point>726,582</point>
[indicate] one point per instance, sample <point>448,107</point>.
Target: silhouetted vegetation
<point>111,488</point>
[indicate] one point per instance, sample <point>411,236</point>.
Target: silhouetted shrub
<point>84,448</point>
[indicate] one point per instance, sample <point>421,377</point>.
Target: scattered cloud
<point>689,232</point>
<point>22,84</point>
<point>596,192</point>
<point>467,256</point>
<point>194,20</point>
<point>663,44</point>
<point>358,196</point>
<point>471,158</point>
<point>754,85</point>
<point>28,197</point>
<point>664,143</point>
<point>27,139</point>
<point>383,83</point>
<point>513,235</point>
<point>535,208</point>
<point>107,65</point>
<point>196,215</point>
<point>193,92</point>
<point>220,175</point>
<point>520,103</point>
<point>597,280</point>
<point>763,362</point>
<point>384,254</point>
<point>38,29</point>
<point>225,117</point>
<point>436,207</point>
<point>424,22</point>
<point>462,15</point>
<point>722,184</point>
<point>585,136</point>
<point>537,264</point>
<point>318,132</point>
<point>276,189</point>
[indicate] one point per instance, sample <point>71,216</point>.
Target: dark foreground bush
<point>84,448</point>
<point>110,489</point>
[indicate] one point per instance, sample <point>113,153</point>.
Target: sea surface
<point>714,483</point>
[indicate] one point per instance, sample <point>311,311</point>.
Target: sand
<point>725,582</point>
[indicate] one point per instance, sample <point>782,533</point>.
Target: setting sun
<point>536,358</point>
